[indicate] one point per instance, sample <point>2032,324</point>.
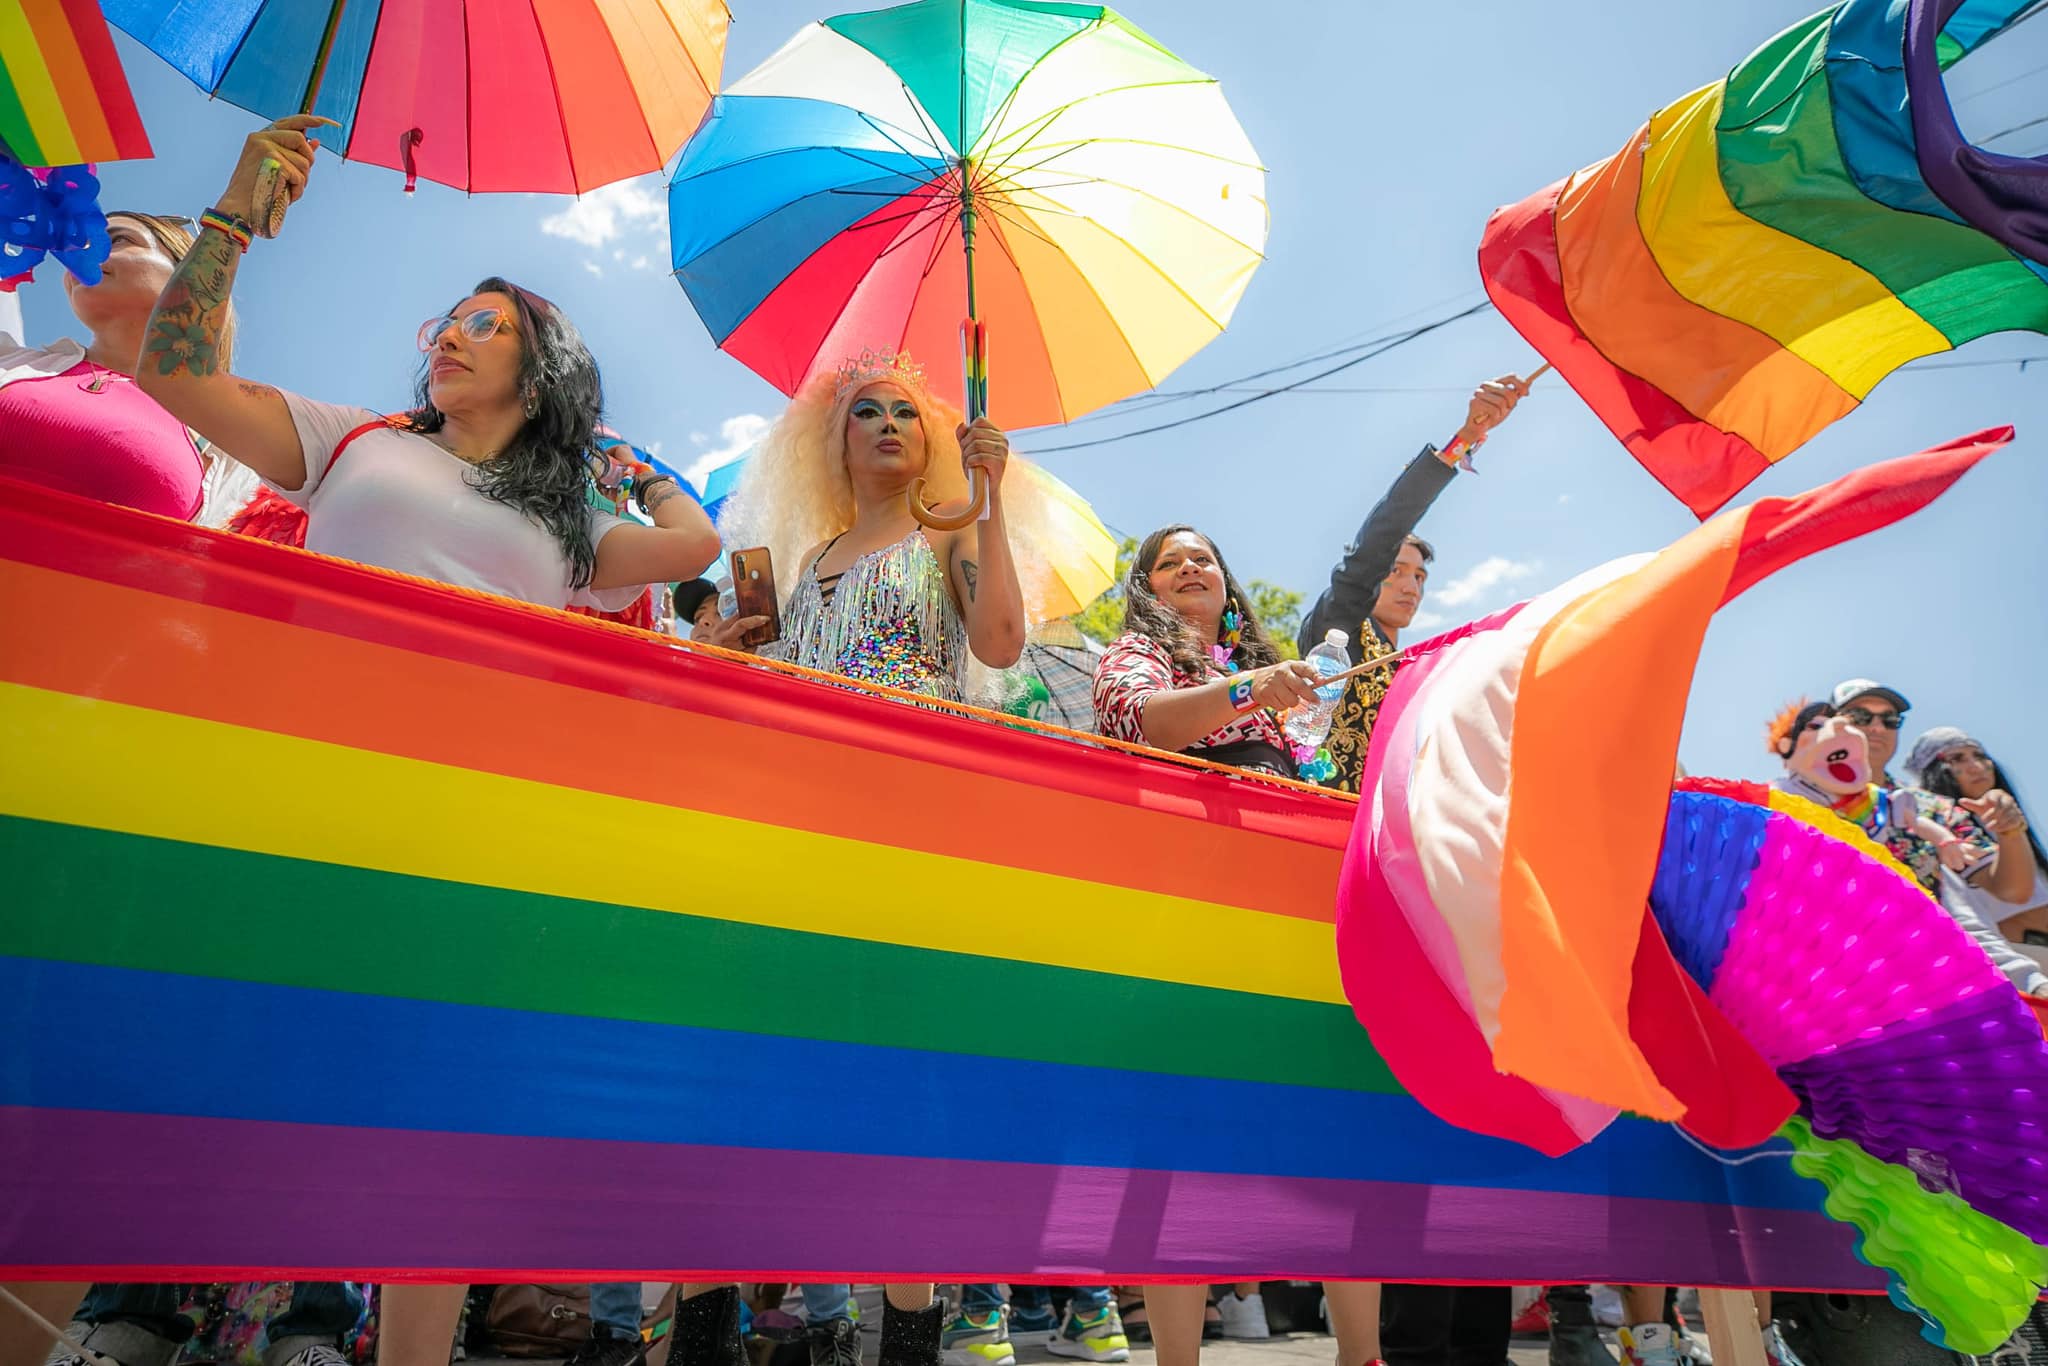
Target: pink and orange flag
<point>1493,922</point>
<point>64,98</point>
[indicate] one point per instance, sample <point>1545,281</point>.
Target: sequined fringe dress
<point>889,619</point>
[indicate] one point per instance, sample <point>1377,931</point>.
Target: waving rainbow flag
<point>64,98</point>
<point>1768,248</point>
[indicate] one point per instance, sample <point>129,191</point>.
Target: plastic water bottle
<point>1308,726</point>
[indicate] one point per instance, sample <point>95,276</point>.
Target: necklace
<point>435,437</point>
<point>97,382</point>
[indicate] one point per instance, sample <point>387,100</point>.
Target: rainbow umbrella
<point>482,95</point>
<point>1086,195</point>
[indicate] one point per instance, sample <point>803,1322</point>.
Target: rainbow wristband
<point>236,230</point>
<point>1459,453</point>
<point>1241,694</point>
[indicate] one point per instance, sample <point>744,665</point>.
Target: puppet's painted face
<point>1832,755</point>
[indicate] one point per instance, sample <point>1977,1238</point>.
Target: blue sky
<point>1390,132</point>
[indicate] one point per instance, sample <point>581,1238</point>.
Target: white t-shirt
<point>397,500</point>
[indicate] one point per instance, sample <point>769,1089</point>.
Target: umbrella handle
<point>930,516</point>
<point>272,197</point>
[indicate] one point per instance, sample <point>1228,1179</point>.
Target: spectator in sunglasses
<point>1876,712</point>
<point>482,484</point>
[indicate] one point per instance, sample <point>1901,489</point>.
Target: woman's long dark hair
<point>1940,779</point>
<point>1159,622</point>
<point>543,472</point>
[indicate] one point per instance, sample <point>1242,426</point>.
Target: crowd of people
<point>499,478</point>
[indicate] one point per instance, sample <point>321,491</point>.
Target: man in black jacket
<point>1376,589</point>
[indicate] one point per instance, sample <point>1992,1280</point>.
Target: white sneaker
<point>1650,1344</point>
<point>1244,1316</point>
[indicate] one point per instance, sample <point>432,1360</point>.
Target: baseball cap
<point>690,594</point>
<point>1849,689</point>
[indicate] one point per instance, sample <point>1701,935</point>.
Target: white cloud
<point>1483,578</point>
<point>1428,621</point>
<point>594,268</point>
<point>611,212</point>
<point>1563,498</point>
<point>736,436</point>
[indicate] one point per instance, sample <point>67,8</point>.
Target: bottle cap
<point>1337,638</point>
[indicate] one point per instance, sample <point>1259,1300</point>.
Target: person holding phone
<point>868,592</point>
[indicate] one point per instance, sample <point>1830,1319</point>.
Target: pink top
<point>116,445</point>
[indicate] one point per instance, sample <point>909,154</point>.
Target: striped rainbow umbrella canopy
<point>483,95</point>
<point>1118,208</point>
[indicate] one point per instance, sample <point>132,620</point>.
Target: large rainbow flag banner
<point>64,98</point>
<point>1768,248</point>
<point>358,927</point>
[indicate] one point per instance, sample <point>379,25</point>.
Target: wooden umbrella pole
<point>1538,373</point>
<point>272,188</point>
<point>974,378</point>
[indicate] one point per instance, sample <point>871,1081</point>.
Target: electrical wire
<point>1398,340</point>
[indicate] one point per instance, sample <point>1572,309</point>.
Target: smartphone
<point>753,591</point>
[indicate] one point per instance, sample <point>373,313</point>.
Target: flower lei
<point>53,212</point>
<point>1224,651</point>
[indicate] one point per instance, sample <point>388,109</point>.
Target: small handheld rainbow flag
<point>64,98</point>
<point>1765,250</point>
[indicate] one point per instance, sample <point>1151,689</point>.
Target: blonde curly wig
<point>795,493</point>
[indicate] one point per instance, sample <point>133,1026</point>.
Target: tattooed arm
<point>680,545</point>
<point>983,573</point>
<point>180,365</point>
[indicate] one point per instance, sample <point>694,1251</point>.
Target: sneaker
<point>328,1354</point>
<point>1775,1350</point>
<point>1098,1337</point>
<point>1533,1322</point>
<point>1032,1325</point>
<point>835,1342</point>
<point>1693,1347</point>
<point>970,1341</point>
<point>1244,1317</point>
<point>1650,1344</point>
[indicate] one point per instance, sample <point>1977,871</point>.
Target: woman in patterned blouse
<point>1194,670</point>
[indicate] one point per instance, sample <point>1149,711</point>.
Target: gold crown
<point>872,366</point>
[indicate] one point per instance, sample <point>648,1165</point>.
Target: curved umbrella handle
<point>977,499</point>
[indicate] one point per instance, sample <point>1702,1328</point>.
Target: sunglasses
<point>1863,716</point>
<point>479,326</point>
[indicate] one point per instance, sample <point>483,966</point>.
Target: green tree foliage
<point>1279,608</point>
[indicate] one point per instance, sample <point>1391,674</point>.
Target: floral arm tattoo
<point>184,330</point>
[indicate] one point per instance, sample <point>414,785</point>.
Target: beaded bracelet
<point>236,230</point>
<point>1240,693</point>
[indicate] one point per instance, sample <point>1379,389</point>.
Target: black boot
<point>1574,1337</point>
<point>707,1330</point>
<point>910,1337</point>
